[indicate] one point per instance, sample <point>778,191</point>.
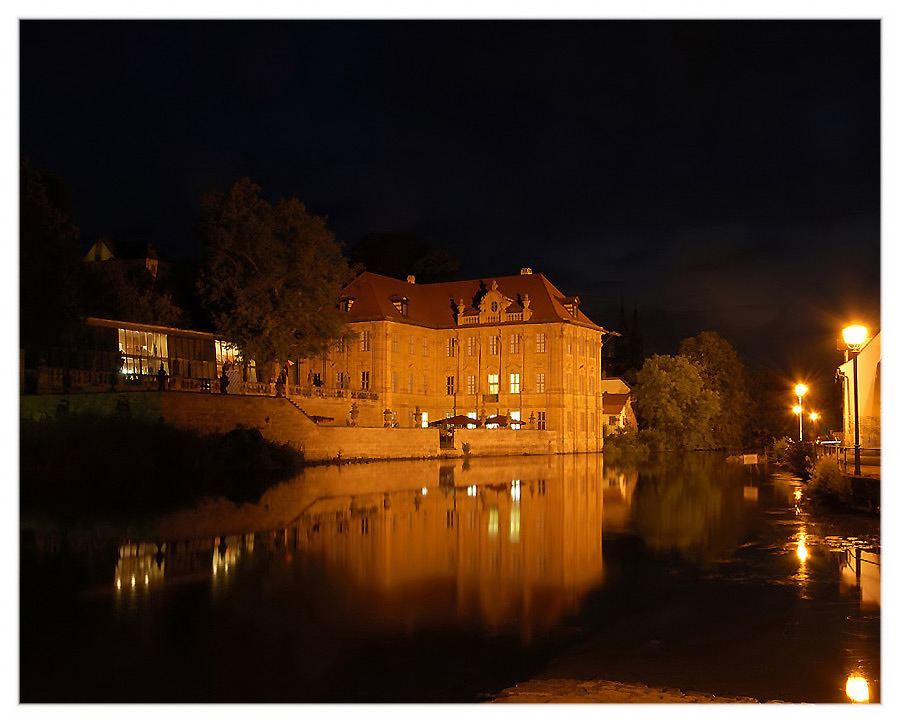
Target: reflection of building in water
<point>506,546</point>
<point>619,484</point>
<point>139,566</point>
<point>502,550</point>
<point>861,568</point>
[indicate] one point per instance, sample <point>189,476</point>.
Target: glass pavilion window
<point>144,351</point>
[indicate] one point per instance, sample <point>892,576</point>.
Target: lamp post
<point>854,337</point>
<point>800,390</point>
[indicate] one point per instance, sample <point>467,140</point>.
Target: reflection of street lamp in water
<point>857,688</point>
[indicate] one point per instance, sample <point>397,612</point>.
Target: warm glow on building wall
<point>509,346</point>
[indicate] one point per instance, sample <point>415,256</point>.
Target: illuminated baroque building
<point>514,346</point>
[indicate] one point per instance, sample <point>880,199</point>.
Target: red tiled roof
<point>614,403</point>
<point>433,305</point>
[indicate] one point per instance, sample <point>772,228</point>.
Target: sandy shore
<point>561,690</point>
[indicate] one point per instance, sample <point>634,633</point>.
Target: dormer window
<point>401,304</point>
<point>347,303</point>
<point>570,304</point>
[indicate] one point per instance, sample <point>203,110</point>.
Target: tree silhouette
<point>271,277</point>
<point>49,262</point>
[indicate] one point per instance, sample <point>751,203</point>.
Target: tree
<point>724,374</point>
<point>272,276</point>
<point>48,264</point>
<point>671,398</point>
<point>112,291</point>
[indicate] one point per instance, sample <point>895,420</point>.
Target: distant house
<point>129,254</point>
<point>614,385</point>
<point>617,412</point>
<point>869,377</point>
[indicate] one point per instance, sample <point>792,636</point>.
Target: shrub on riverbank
<point>828,484</point>
<point>85,465</point>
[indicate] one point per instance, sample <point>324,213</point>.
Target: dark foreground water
<point>438,581</point>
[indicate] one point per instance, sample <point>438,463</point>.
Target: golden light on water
<point>857,688</point>
<point>802,549</point>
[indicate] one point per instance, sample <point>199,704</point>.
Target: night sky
<point>712,173</point>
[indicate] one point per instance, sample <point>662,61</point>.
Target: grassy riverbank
<point>86,468</point>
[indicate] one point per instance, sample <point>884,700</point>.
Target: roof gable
<point>439,305</point>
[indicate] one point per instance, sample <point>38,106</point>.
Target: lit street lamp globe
<point>855,336</point>
<point>800,390</point>
<point>797,409</point>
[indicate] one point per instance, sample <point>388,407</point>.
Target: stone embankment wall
<point>280,421</point>
<point>484,442</point>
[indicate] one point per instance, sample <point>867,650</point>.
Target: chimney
<point>525,271</point>
<point>410,279</point>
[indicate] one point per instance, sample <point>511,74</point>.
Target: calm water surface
<point>444,581</point>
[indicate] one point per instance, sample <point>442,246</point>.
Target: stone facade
<point>512,345</point>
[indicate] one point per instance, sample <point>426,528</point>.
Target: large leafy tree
<point>272,276</point>
<point>49,262</point>
<point>724,374</point>
<point>671,398</point>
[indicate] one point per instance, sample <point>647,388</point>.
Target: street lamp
<point>814,417</point>
<point>854,337</point>
<point>800,390</point>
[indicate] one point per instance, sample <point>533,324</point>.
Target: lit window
<point>494,345</point>
<point>364,341</point>
<point>470,384</point>
<point>451,385</point>
<point>493,383</point>
<point>540,342</point>
<point>542,420</point>
<point>513,383</point>
<point>472,346</point>
<point>424,420</point>
<point>539,383</point>
<point>514,344</point>
<point>451,347</point>
<point>144,352</point>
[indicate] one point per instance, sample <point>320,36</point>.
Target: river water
<point>445,581</point>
